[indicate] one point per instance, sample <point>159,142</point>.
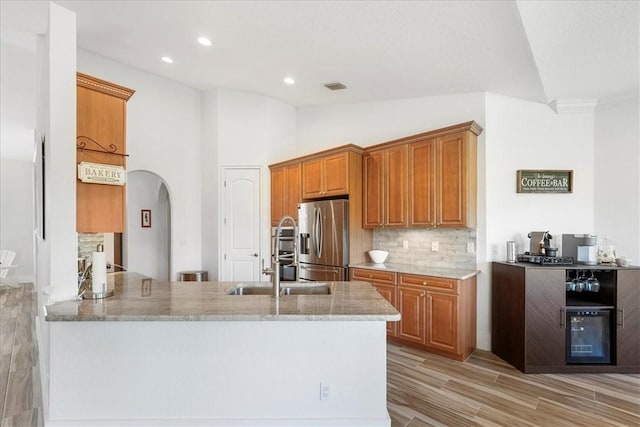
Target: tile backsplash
<point>452,246</point>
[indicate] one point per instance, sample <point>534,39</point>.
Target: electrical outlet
<point>405,244</point>
<point>494,250</point>
<point>434,246</point>
<point>324,391</point>
<point>470,248</point>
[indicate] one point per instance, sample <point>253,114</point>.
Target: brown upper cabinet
<point>385,187</point>
<point>326,176</point>
<point>100,131</point>
<point>336,172</point>
<point>437,188</point>
<point>285,191</point>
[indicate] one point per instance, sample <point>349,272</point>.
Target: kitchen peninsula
<point>188,353</point>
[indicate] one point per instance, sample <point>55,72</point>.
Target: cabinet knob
<point>424,283</point>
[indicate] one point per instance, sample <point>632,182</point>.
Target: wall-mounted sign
<point>97,173</point>
<point>545,181</point>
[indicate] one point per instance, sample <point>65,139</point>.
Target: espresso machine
<point>540,243</point>
<point>541,252</point>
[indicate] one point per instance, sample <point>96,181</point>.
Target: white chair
<point>6,262</point>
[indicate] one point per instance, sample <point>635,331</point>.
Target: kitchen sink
<point>251,290</point>
<point>315,289</point>
<point>307,290</point>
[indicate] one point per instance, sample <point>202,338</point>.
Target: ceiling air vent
<point>335,86</point>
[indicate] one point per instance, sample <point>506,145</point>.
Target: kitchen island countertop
<point>449,273</point>
<point>140,298</point>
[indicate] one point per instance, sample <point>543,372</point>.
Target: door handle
<point>563,317</point>
<point>620,318</point>
<point>255,255</point>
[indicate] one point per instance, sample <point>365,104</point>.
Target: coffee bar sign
<point>98,173</point>
<point>545,181</point>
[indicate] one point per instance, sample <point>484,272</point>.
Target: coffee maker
<point>582,247</point>
<point>540,243</point>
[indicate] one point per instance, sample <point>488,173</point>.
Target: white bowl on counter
<point>378,256</point>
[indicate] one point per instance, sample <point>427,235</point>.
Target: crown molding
<point>620,100</point>
<point>574,105</point>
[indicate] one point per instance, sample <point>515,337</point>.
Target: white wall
<point>617,178</point>
<point>17,124</point>
<point>56,253</point>
<point>16,207</point>
<point>163,137</point>
<point>242,129</point>
<point>527,135</point>
<point>371,123</point>
<point>146,250</point>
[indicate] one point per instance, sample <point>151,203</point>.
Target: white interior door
<point>241,225</point>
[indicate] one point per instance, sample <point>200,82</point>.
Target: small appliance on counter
<point>541,252</point>
<point>582,247</point>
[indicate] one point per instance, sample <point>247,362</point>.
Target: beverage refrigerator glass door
<point>589,336</point>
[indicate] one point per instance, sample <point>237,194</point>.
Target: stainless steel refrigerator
<point>324,240</point>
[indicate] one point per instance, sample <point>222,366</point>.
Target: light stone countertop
<point>139,298</point>
<point>448,273</point>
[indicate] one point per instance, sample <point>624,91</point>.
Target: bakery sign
<point>545,181</point>
<point>98,173</point>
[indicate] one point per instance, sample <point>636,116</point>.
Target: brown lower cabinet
<point>437,314</point>
<point>529,306</point>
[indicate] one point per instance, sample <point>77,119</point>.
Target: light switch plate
<point>434,246</point>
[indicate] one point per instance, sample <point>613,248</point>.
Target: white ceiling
<point>536,50</point>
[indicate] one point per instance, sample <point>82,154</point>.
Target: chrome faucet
<point>274,270</point>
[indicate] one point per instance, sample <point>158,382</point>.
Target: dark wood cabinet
<point>529,306</point>
<point>545,319</point>
<point>628,319</point>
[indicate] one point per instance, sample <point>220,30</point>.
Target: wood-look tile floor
<point>20,398</point>
<point>427,390</point>
<point>422,389</point>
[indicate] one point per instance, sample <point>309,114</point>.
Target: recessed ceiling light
<point>204,41</point>
<point>167,60</point>
<point>289,80</point>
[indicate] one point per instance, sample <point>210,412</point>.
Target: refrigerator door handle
<point>321,237</point>
<point>317,232</point>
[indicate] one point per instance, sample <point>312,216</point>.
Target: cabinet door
<point>545,317</point>
<point>422,184</point>
<point>336,174</point>
<point>628,318</point>
<point>388,292</point>
<point>451,195</point>
<point>411,302</point>
<point>442,322</point>
<point>292,190</point>
<point>278,194</point>
<point>373,189</point>
<point>312,172</point>
<point>396,188</point>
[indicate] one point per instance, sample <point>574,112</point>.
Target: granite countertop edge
<point>448,273</point>
<point>140,298</point>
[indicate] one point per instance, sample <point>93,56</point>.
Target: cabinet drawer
<point>431,282</point>
<point>380,276</point>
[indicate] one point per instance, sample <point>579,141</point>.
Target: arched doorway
<point>146,244</point>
